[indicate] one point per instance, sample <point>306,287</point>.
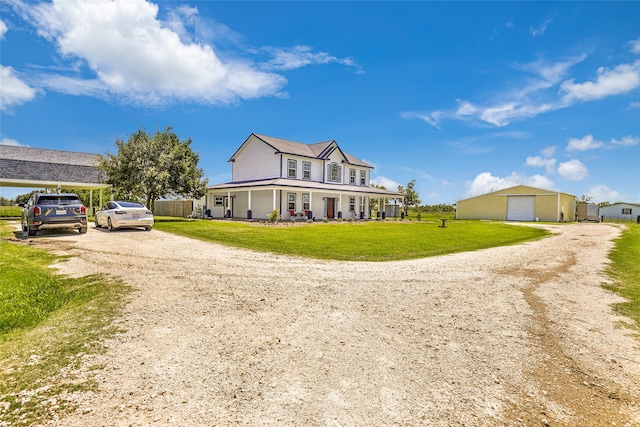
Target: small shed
<point>620,212</point>
<point>519,203</point>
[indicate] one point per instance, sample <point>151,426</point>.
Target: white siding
<point>256,160</point>
<point>614,212</point>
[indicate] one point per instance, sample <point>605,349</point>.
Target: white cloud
<point>621,79</point>
<point>634,104</point>
<point>573,170</point>
<point>301,56</point>
<point>548,151</point>
<point>136,56</point>
<point>387,183</point>
<point>9,141</point>
<point>587,142</point>
<point>635,46</point>
<point>3,29</point>
<point>523,102</point>
<point>627,141</point>
<point>13,91</point>
<point>535,32</point>
<point>601,193</point>
<point>539,162</point>
<point>485,183</point>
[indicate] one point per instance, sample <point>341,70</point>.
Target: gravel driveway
<point>518,335</point>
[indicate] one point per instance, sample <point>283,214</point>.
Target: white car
<point>120,214</point>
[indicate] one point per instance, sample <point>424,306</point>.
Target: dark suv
<point>48,211</point>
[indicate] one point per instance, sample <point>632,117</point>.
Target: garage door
<point>520,208</point>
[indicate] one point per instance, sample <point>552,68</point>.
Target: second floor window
<point>292,168</point>
<point>334,172</point>
<point>363,177</point>
<point>306,170</point>
<point>352,176</point>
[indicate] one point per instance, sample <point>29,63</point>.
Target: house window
<point>363,200</point>
<point>306,206</point>
<point>218,201</point>
<point>292,168</point>
<point>363,177</point>
<point>334,171</point>
<point>352,204</point>
<point>352,176</point>
<point>306,170</point>
<point>291,201</point>
<point>626,211</point>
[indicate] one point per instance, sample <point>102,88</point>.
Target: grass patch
<point>48,322</point>
<point>357,241</point>
<point>625,272</point>
<point>10,211</point>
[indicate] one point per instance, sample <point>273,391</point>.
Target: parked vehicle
<point>45,211</point>
<point>122,214</point>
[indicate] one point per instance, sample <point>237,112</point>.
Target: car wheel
<point>109,225</point>
<point>82,230</point>
<point>97,225</point>
<point>24,227</point>
<point>32,231</point>
<point>148,228</point>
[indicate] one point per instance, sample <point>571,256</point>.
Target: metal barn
<point>519,203</point>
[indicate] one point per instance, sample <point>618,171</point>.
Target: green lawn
<point>10,211</point>
<point>625,272</point>
<point>47,322</point>
<point>357,241</point>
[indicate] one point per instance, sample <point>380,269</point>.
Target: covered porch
<point>295,200</point>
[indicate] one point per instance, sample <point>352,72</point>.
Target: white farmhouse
<point>301,181</point>
<point>620,212</point>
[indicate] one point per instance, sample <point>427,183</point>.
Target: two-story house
<point>299,180</point>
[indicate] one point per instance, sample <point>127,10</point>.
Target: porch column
<point>91,201</point>
<point>229,203</point>
<point>249,213</point>
<point>311,202</point>
<point>274,199</point>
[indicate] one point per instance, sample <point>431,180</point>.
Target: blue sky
<point>463,97</point>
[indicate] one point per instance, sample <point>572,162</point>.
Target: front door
<point>331,208</point>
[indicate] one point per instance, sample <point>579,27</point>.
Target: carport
<point>50,170</point>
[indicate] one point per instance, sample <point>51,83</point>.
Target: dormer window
<point>292,168</point>
<point>363,177</point>
<point>334,172</point>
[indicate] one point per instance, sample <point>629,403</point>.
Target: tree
<point>410,195</point>
<point>150,167</point>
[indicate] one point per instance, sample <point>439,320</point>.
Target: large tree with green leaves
<point>151,167</point>
<point>410,195</point>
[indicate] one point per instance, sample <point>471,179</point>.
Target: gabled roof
<point>318,150</point>
<point>533,191</point>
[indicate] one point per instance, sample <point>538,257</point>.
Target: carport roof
<point>36,157</point>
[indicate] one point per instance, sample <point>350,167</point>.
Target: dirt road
<point>519,335</point>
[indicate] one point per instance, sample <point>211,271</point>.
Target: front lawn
<point>357,241</point>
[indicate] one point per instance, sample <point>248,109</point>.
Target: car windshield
<point>131,205</point>
<point>58,200</point>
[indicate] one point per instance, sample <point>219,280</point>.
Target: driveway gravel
<point>212,335</point>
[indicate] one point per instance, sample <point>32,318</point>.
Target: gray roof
<point>41,155</point>
<point>318,150</point>
<point>308,185</point>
